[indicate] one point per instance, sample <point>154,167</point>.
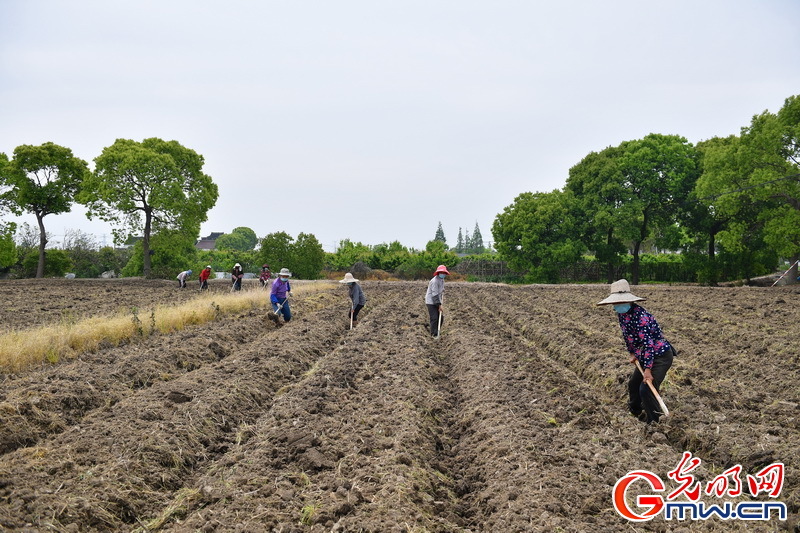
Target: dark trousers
<point>354,311</point>
<point>639,393</point>
<point>433,313</point>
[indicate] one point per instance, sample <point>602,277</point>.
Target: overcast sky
<point>374,121</point>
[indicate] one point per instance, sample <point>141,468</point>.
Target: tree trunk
<point>610,271</point>
<point>635,264</point>
<point>712,258</point>
<point>42,244</point>
<point>146,244</point>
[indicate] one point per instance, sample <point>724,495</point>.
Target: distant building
<point>210,242</point>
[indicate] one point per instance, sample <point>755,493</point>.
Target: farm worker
<point>356,296</point>
<point>647,344</point>
<point>265,275</point>
<point>182,278</point>
<point>204,275</point>
<point>236,277</point>
<point>279,294</point>
<point>433,298</point>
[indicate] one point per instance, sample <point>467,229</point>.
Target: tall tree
<point>8,250</point>
<point>460,242</point>
<point>658,173</point>
<point>760,173</point>
<point>277,251</point>
<point>599,190</point>
<point>538,233</point>
<point>241,239</point>
<point>309,256</point>
<point>476,244</point>
<point>147,186</point>
<point>44,180</point>
<point>440,235</point>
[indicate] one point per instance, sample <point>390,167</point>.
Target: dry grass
<point>21,350</point>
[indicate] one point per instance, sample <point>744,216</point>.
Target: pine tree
<point>460,242</point>
<point>476,245</point>
<point>440,234</point>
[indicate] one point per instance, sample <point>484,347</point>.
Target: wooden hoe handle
<point>654,391</point>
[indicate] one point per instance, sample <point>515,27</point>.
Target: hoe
<point>655,392</point>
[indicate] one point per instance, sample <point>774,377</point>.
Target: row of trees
<point>728,204</point>
<point>142,188</point>
<point>393,257</point>
<point>466,243</point>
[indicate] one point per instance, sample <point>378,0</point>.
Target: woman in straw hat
<point>279,295</point>
<point>646,343</point>
<point>356,297</point>
<point>237,274</point>
<point>433,298</point>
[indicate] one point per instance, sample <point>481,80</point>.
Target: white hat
<point>620,294</point>
<point>237,265</point>
<point>208,267</point>
<point>285,272</point>
<point>348,278</point>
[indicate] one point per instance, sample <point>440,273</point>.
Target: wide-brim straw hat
<point>441,269</point>
<point>348,278</point>
<point>620,294</point>
<point>285,272</point>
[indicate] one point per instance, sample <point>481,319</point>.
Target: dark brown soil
<point>514,420</point>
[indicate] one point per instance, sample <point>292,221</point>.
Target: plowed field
<point>514,420</point>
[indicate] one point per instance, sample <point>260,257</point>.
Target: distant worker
<point>265,275</point>
<point>236,277</point>
<point>204,275</point>
<point>279,296</point>
<point>182,277</point>
<point>357,298</point>
<point>433,299</point>
<point>647,345</point>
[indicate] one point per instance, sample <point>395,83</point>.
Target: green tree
<point>388,256</point>
<point>171,252</point>
<point>309,257</point>
<point>82,250</point>
<point>422,265</point>
<point>440,235</point>
<point>8,250</point>
<point>277,251</point>
<point>148,187</point>
<point>349,253</point>
<point>460,242</point>
<point>476,244</point>
<point>754,180</point>
<point>56,265</point>
<point>598,187</point>
<point>538,233</point>
<point>241,239</point>
<point>658,173</point>
<point>44,181</point>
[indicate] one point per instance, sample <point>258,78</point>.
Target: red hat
<point>440,269</point>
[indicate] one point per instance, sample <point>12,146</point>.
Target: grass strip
<point>24,349</point>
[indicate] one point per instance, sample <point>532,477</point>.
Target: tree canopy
<point>149,186</point>
<point>241,239</point>
<point>42,180</point>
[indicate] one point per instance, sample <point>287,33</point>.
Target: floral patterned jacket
<point>642,335</point>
